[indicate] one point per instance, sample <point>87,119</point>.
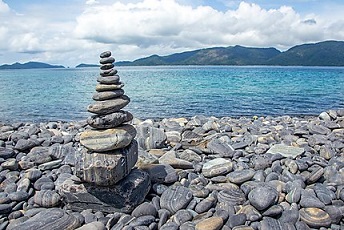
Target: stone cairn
<point>112,148</point>
<point>108,152</point>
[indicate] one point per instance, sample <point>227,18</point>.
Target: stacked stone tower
<point>112,150</point>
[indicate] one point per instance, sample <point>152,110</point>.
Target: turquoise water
<point>177,91</point>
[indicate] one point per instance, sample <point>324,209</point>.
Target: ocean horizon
<point>174,91</point>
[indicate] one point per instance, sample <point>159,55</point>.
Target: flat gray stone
<point>108,139</point>
<point>216,167</point>
<point>124,196</point>
<point>286,151</point>
<point>105,169</point>
<point>107,95</point>
<point>109,106</point>
<point>110,120</point>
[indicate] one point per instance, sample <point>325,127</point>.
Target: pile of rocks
<point>111,151</point>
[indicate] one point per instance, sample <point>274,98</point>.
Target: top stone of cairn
<point>105,54</point>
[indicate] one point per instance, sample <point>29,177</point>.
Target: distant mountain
<point>328,53</point>
<point>82,65</point>
<point>30,65</point>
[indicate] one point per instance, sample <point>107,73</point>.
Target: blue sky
<point>76,31</point>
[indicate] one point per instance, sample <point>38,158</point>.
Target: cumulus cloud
<point>168,24</point>
<point>139,28</point>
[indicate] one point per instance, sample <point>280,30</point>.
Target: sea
<point>156,92</point>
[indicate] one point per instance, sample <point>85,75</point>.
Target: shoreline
<point>241,173</point>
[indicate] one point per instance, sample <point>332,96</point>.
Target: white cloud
<point>133,29</point>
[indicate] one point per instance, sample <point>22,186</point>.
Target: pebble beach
<point>204,173</point>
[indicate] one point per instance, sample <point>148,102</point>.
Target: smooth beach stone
<point>145,209</point>
<point>124,196</point>
<point>45,182</point>
<point>150,137</point>
<point>236,220</point>
<point>218,146</point>
<point>182,216</point>
<point>205,204</point>
<point>50,165</point>
<point>286,151</point>
<point>315,217</point>
<point>105,169</point>
<point>111,87</point>
<point>33,174</point>
<point>5,208</point>
<point>274,210</point>
<point>252,214</point>
<point>110,120</point>
<point>161,173</point>
<point>175,198</point>
<point>170,158</point>
<point>18,196</point>
<point>189,155</point>
<point>240,176</point>
<point>6,153</point>
<point>318,129</point>
<point>47,198</point>
<point>95,225</point>
<point>53,219</point>
<point>270,223</point>
<point>142,221</point>
<point>39,155</point>
<point>107,95</point>
<point>108,139</point>
<point>11,164</point>
<point>216,167</point>
<point>108,80</point>
<point>263,197</point>
<point>57,151</point>
<point>24,144</point>
<point>108,73</point>
<point>231,196</point>
<point>212,223</point>
<point>107,66</point>
<point>109,106</point>
<point>106,60</point>
<point>105,54</point>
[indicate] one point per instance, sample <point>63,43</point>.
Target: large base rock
<point>106,169</point>
<point>122,197</point>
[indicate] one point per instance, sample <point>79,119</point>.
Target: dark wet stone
<point>18,196</point>
<point>315,217</point>
<point>109,121</point>
<point>107,168</point>
<point>182,216</point>
<point>169,226</point>
<point>24,144</point>
<point>125,196</point>
<point>161,173</point>
<point>106,60</point>
<point>53,218</point>
<point>44,182</point>
<point>150,137</point>
<point>240,176</point>
<point>273,211</point>
<point>106,95</point>
<point>336,213</point>
<point>175,198</point>
<point>33,174</point>
<point>142,221</point>
<point>290,216</point>
<point>144,209</point>
<point>308,201</point>
<point>95,225</point>
<point>47,198</point>
<point>164,214</point>
<point>263,197</point>
<point>231,196</point>
<point>216,167</point>
<point>205,204</point>
<point>325,195</point>
<point>105,54</point>
<point>109,106</point>
<point>6,153</point>
<point>218,146</point>
<point>270,223</point>
<point>5,208</point>
<point>236,220</point>
<point>315,175</point>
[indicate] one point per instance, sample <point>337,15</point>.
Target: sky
<point>70,32</point>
